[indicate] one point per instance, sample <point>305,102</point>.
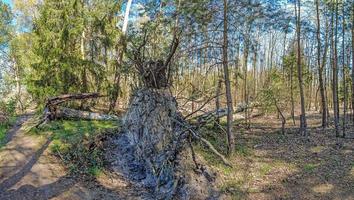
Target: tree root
<point>197,136</point>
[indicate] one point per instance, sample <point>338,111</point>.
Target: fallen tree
<point>155,136</point>
<point>53,110</point>
<point>211,116</point>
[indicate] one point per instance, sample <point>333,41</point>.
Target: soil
<point>28,171</point>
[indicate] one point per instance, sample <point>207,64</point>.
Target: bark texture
<point>148,150</point>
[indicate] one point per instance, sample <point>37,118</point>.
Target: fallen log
<point>53,111</point>
<point>68,113</point>
<point>68,97</point>
<point>212,115</point>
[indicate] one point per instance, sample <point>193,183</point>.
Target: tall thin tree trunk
<point>230,135</point>
<point>303,125</point>
<point>217,102</point>
<point>344,74</point>
<point>335,74</point>
<point>245,92</point>
<point>120,49</point>
<point>320,68</point>
<point>292,94</point>
<point>324,64</point>
<point>236,73</point>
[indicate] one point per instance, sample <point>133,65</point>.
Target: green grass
<point>77,143</point>
<point>265,168</point>
<point>310,167</point>
<point>4,127</point>
<point>242,150</point>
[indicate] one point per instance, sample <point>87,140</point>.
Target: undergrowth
<point>79,144</point>
<point>4,127</point>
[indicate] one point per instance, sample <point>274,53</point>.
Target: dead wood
<point>52,101</point>
<point>53,111</point>
<point>196,135</point>
<point>212,115</point>
<point>68,113</point>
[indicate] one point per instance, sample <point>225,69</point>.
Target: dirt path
<point>29,171</point>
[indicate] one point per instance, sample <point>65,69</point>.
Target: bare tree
<point>320,68</point>
<point>344,74</point>
<point>230,136</point>
<point>335,72</point>
<point>303,124</point>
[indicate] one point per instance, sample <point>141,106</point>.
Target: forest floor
<point>28,171</point>
<point>270,165</point>
<point>267,165</point>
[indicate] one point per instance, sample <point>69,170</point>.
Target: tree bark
<point>320,68</point>
<point>230,135</point>
<point>335,73</point>
<point>303,125</point>
<point>245,92</point>
<point>217,102</point>
<point>344,75</point>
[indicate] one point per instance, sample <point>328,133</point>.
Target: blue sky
<point>7,1</point>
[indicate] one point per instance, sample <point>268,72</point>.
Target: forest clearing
<point>176,99</point>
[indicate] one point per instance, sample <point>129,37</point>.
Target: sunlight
<point>317,149</point>
<point>323,188</point>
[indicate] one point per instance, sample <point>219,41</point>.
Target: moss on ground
<point>78,143</point>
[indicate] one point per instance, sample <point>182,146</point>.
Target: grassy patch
<point>310,167</point>
<point>78,143</point>
<point>265,168</point>
<point>242,150</point>
<point>4,127</point>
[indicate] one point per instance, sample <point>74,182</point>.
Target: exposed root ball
<point>148,148</point>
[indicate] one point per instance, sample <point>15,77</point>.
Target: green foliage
<point>310,167</point>
<point>8,107</point>
<point>275,91</point>
<point>4,127</point>
<point>66,48</point>
<point>5,24</point>
<point>78,143</point>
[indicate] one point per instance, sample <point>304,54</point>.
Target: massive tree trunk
<point>230,135</point>
<point>320,68</point>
